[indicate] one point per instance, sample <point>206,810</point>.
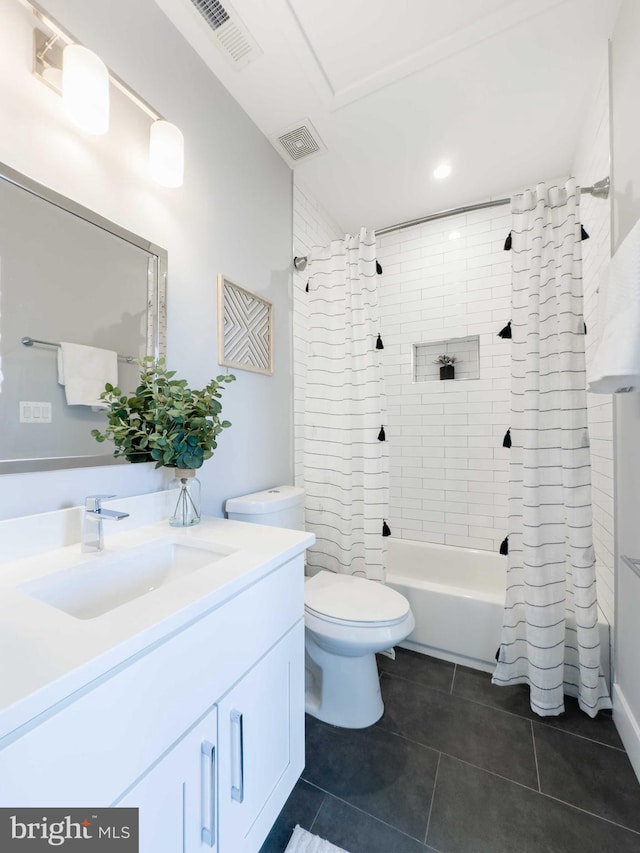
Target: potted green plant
<point>447,366</point>
<point>166,422</point>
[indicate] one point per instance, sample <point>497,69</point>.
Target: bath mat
<point>304,842</point>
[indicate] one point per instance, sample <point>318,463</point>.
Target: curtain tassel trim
<point>378,267</point>
<point>381,435</point>
<point>379,344</point>
<point>306,290</point>
<point>506,332</point>
<point>506,441</point>
<point>504,546</point>
<point>386,530</point>
<point>509,242</point>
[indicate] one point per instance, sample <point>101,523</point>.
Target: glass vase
<point>185,498</point>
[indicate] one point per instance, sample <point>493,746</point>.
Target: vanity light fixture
<point>84,82</point>
<point>85,89</point>
<point>166,153</point>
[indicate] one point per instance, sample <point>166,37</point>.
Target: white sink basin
<point>106,581</point>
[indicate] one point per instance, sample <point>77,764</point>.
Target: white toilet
<point>347,620</point>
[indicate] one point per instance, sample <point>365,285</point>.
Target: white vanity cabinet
<point>221,786</point>
<point>258,744</point>
<point>203,730</point>
<point>177,797</point>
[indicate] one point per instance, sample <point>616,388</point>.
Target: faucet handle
<point>92,503</point>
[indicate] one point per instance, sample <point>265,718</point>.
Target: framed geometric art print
<point>245,328</point>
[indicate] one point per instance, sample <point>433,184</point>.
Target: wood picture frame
<point>245,328</point>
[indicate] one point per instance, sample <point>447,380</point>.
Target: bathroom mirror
<point>67,274</point>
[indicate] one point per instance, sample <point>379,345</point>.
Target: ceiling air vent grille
<point>300,142</point>
<point>229,33</point>
<point>213,12</point>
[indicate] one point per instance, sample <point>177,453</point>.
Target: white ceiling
<point>497,88</point>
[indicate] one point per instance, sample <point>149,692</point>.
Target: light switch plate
<point>34,412</point>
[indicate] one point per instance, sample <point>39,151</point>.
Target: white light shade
<point>166,154</point>
<point>85,89</point>
<point>455,235</point>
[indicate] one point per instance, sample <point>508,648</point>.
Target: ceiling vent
<point>299,142</point>
<point>229,33</point>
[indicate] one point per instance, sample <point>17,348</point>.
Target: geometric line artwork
<point>245,328</point>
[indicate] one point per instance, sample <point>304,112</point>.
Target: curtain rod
<point>599,189</point>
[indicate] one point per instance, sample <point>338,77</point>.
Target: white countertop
<point>46,654</point>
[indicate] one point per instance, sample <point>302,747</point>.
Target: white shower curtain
<point>550,638</point>
<point>345,461</point>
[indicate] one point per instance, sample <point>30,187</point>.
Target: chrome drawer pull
<point>237,746</point>
<point>209,827</point>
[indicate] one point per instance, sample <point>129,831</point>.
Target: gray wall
<point>232,215</point>
<point>626,210</point>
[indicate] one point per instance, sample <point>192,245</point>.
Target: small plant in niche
<point>447,366</point>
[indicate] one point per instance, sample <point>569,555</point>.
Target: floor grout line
<point>361,810</point>
<point>463,760</point>
<point>482,770</point>
<point>433,796</point>
<point>592,814</point>
<point>535,756</point>
<point>445,690</point>
<point>541,720</point>
<point>313,822</point>
<point>540,793</point>
<point>453,678</point>
<point>575,734</point>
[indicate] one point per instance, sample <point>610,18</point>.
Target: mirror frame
<point>157,303</point>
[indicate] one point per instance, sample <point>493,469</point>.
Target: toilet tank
<point>282,506</point>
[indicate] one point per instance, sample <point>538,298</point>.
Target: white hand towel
<point>616,364</point>
<point>84,371</point>
<point>304,842</point>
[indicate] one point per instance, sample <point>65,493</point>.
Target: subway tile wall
<point>449,470</point>
<point>592,163</point>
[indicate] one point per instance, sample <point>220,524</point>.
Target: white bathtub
<point>457,599</point>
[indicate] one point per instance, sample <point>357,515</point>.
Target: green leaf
<point>164,420</point>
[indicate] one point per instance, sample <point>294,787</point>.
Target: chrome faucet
<point>92,535</point>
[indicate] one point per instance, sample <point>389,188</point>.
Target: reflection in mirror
<point>68,275</point>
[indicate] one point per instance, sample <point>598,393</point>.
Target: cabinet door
<point>261,740</point>
<point>177,797</point>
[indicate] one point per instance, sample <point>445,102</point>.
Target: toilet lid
<point>352,599</point>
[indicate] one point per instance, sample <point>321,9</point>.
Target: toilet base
<point>340,690</point>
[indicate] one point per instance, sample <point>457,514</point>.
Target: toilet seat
<point>352,601</point>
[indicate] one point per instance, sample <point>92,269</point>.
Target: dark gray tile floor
<point>457,765</point>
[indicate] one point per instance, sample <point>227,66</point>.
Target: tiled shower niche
<point>466,352</point>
